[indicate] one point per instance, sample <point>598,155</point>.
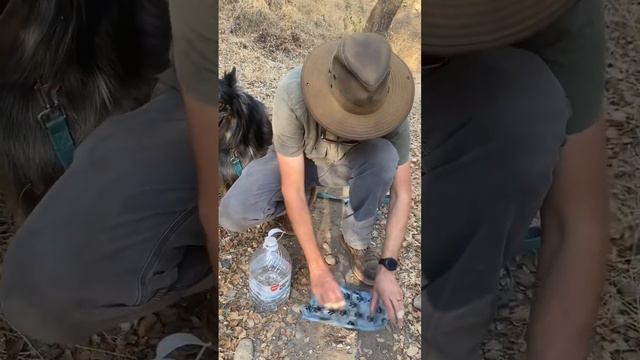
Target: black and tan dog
<point>97,58</point>
<point>66,65</point>
<point>244,129</point>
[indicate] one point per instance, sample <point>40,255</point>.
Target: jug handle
<point>272,232</point>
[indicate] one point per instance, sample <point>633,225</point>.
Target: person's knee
<point>528,118</point>
<point>381,162</point>
<point>231,214</point>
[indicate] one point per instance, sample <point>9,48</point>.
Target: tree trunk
<point>382,15</point>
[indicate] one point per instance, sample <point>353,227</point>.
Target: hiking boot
<point>364,263</point>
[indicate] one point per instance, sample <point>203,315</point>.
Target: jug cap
<point>270,242</point>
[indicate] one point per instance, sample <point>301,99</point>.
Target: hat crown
<point>367,56</point>
<point>359,72</point>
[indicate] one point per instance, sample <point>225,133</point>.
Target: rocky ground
<point>283,334</point>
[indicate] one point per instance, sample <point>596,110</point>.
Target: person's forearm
<point>201,120</point>
<point>566,302</point>
<point>573,259</point>
<point>399,210</point>
<point>300,217</point>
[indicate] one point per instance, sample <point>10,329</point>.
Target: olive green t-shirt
<point>194,49</point>
<point>296,133</point>
<point>573,47</point>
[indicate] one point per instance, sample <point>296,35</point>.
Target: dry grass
<point>287,28</point>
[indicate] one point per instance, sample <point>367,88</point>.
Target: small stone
<point>524,278</point>
<point>631,356</point>
<point>244,350</point>
<point>131,339</point>
<point>630,290</point>
<point>68,355</point>
<point>82,355</point>
<point>417,302</point>
<point>493,345</point>
<point>325,234</point>
<point>146,324</point>
<point>250,323</point>
<point>125,327</point>
<point>168,315</point>
<point>156,330</point>
<point>239,332</point>
<point>195,321</point>
<point>297,308</point>
<point>412,351</point>
<point>294,294</point>
<point>326,248</point>
<point>380,340</point>
<point>330,259</point>
<point>226,263</point>
<point>230,294</point>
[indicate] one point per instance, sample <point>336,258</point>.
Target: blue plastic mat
<point>355,316</point>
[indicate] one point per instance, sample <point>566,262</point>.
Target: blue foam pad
<point>355,316</point>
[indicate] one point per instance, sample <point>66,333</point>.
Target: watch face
<point>390,264</point>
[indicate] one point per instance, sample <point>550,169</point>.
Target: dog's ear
<point>232,77</point>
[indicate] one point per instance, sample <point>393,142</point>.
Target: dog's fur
<point>103,54</point>
<point>244,129</point>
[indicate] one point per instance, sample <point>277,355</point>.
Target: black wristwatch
<point>390,264</point>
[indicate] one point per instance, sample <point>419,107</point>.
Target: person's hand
<point>387,290</point>
<point>326,289</point>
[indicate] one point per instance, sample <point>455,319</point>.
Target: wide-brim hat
<point>456,26</point>
<point>360,61</point>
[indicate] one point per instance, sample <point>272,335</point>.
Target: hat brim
<point>326,110</point>
<point>453,27</point>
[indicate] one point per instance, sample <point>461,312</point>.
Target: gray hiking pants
<point>118,235</point>
<point>493,130</point>
<point>368,169</point>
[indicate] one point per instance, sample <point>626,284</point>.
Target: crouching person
<point>340,119</point>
